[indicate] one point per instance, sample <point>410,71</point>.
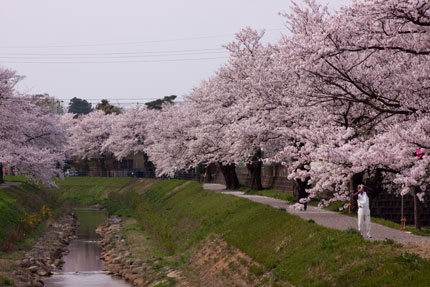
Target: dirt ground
<point>420,248</point>
<point>218,265</point>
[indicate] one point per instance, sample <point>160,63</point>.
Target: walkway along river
<point>83,266</point>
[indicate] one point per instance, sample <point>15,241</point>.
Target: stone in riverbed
<point>139,282</point>
<point>33,268</point>
<point>25,263</point>
<point>58,262</point>
<point>37,283</point>
<point>43,272</point>
<point>138,270</point>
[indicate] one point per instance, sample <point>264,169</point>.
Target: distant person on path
<point>363,201</point>
<point>302,186</point>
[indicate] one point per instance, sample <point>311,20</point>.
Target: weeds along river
<point>82,265</point>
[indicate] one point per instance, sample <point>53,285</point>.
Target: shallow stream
<point>82,265</point>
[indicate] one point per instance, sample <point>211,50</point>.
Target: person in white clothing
<point>363,208</point>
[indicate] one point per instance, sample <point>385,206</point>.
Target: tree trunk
<point>208,174</point>
<point>103,168</point>
<point>149,166</point>
<point>1,173</point>
<point>416,210</point>
<point>234,179</point>
<point>302,186</point>
<point>255,170</point>
<point>230,176</point>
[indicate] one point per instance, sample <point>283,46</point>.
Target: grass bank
<point>23,218</point>
<point>19,201</point>
<point>84,191</point>
<point>179,215</point>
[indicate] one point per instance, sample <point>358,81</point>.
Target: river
<point>82,265</point>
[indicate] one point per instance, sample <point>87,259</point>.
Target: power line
<point>116,53</point>
<point>113,44</point>
<point>110,57</point>
<point>127,43</point>
<point>111,62</point>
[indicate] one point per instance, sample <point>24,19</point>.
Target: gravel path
<point>325,218</point>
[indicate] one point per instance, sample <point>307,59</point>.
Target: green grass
<point>85,191</point>
<point>83,181</point>
<point>17,200</point>
<point>179,217</point>
<point>10,215</point>
<point>274,193</point>
<point>18,178</point>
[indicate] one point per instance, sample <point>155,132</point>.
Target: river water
<point>82,266</point>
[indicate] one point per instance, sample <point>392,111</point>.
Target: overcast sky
<point>127,50</point>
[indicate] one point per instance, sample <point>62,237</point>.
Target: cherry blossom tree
<point>31,136</point>
<point>239,109</point>
<point>168,139</point>
<point>366,69</point>
<point>129,133</point>
<point>88,136</point>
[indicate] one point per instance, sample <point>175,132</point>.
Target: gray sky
<point>127,50</point>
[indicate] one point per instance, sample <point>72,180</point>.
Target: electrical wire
<point>111,62</point>
<point>116,53</point>
<point>110,57</point>
<point>128,43</point>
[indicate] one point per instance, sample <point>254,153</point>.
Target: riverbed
<point>82,265</point>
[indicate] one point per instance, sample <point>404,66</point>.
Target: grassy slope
<point>89,190</point>
<point>17,200</point>
<point>287,196</point>
<point>295,250</point>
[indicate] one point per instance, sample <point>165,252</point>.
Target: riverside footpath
<point>326,218</point>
